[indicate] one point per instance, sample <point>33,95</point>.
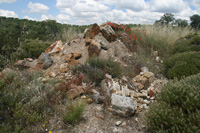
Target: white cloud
<point>36,8</point>
<point>83,11</point>
<point>65,3</point>
<point>29,18</point>
<point>7,13</point>
<point>196,4</point>
<point>135,5</point>
<point>168,6</point>
<point>143,17</point>
<point>61,18</point>
<point>7,1</point>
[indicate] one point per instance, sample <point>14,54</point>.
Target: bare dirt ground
<point>97,120</point>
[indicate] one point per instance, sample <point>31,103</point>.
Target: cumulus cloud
<point>36,8</point>
<point>61,18</point>
<point>7,1</point>
<point>65,3</point>
<point>29,18</point>
<point>168,6</point>
<point>7,13</point>
<point>196,4</point>
<point>129,11</point>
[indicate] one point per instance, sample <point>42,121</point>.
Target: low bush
<point>177,107</point>
<point>21,105</point>
<point>30,48</point>
<point>94,74</point>
<point>189,43</point>
<point>97,68</point>
<point>73,112</point>
<point>107,65</point>
<point>182,64</point>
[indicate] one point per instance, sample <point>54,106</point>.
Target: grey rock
<point>144,69</point>
<point>123,106</point>
<point>103,44</point>
<point>46,60</point>
<point>98,99</point>
<point>118,123</point>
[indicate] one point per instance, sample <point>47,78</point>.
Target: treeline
<point>15,32</point>
<point>169,19</point>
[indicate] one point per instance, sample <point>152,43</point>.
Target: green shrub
<point>30,48</point>
<point>107,65</point>
<point>17,111</point>
<point>186,44</point>
<point>73,112</point>
<point>182,64</point>
<point>94,74</point>
<point>177,107</point>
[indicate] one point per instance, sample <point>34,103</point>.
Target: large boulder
<point>108,33</point>
<point>123,106</point>
<point>45,61</point>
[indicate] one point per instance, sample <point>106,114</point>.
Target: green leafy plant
<point>177,107</point>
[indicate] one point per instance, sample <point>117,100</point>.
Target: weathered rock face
<point>123,106</point>
<point>24,64</point>
<point>108,33</point>
<point>103,44</point>
<point>71,56</point>
<point>93,50</point>
<point>75,92</point>
<point>45,60</point>
<point>98,99</point>
<point>63,67</point>
<point>92,32</point>
<point>113,25</point>
<point>55,48</point>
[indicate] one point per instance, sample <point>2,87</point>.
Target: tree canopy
<point>195,21</point>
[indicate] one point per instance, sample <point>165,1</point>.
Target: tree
<point>181,22</point>
<point>195,21</point>
<point>167,18</point>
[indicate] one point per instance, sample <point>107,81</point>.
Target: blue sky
<point>98,11</point>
